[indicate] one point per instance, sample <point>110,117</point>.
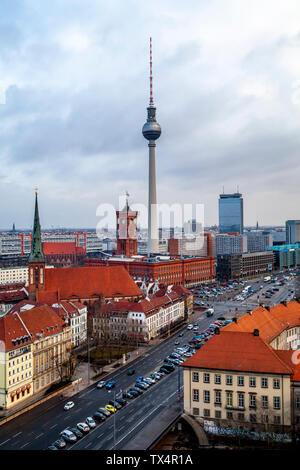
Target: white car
<point>69,405</point>
<point>68,436</point>
<point>83,427</point>
<point>189,327</point>
<point>90,422</point>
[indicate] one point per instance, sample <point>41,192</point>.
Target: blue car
<point>140,379</point>
<point>110,384</point>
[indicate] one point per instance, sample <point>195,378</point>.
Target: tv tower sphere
<point>151,128</point>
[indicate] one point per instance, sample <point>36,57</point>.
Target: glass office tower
<point>231,215</point>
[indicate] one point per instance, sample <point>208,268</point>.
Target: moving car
<point>68,405</point>
<point>83,427</point>
<point>110,384</point>
<point>101,384</point>
<point>130,371</point>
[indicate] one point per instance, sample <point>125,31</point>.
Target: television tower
<point>151,132</point>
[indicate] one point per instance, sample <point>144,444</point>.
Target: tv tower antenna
<point>151,102</point>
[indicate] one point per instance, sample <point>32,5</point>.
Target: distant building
<point>63,254</point>
<point>231,244</point>
<point>14,275</point>
<point>286,256</point>
<point>292,231</point>
<point>244,266</point>
<point>231,213</point>
<point>126,231</point>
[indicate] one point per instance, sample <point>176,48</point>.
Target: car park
<point>83,427</point>
<point>60,443</point>
<point>68,405</point>
<point>90,422</point>
<point>99,416</point>
<point>68,436</point>
<point>101,384</point>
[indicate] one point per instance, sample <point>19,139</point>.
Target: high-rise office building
<point>231,214</point>
<point>292,228</point>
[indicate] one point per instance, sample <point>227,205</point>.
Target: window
<point>241,416</point>
<point>276,383</point>
<point>252,402</point>
<point>276,419</point>
<point>241,399</point>
<point>229,398</point>
<point>264,382</point>
<point>217,379</point>
<point>218,414</point>
<point>298,402</point>
<point>240,381</point>
<point>252,418</point>
<point>195,376</point>
<point>265,418</point>
<point>206,413</point>
<point>218,397</point>
<point>252,382</point>
<point>228,379</point>
<point>195,395</point>
<point>265,402</point>
<point>229,415</point>
<point>196,411</point>
<point>276,403</point>
<point>206,396</point>
<point>206,378</point>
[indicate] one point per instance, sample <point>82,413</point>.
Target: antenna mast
<point>151,103</point>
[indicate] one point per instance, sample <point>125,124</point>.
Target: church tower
<point>36,263</point>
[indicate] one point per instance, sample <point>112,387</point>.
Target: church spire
<point>37,254</point>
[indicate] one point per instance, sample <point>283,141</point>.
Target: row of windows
<point>264,381</point>
<point>17,361</point>
<point>240,399</point>
<point>18,378</point>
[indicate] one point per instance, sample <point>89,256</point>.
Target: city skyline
<point>238,107</point>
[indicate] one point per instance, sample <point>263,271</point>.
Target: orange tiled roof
<point>29,323</point>
<point>269,322</point>
<point>57,248</point>
<point>238,351</point>
<point>87,283</point>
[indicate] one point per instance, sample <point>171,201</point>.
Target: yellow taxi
<point>110,408</point>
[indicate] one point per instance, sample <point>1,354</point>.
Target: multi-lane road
<point>41,427</point>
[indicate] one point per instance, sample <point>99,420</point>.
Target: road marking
<point>17,434</point>
<point>40,435</point>
<point>24,445</point>
<point>4,442</point>
<point>54,425</point>
<point>88,445</point>
<point>100,435</point>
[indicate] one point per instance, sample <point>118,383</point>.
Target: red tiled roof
<point>87,283</point>
<point>7,297</point>
<point>57,248</point>
<point>236,351</point>
<point>269,322</point>
<point>39,320</point>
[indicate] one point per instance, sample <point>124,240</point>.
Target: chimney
<point>283,303</point>
<point>217,331</point>
<point>267,307</point>
<point>256,332</point>
<point>234,319</point>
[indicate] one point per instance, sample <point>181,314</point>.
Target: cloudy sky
<point>74,91</point>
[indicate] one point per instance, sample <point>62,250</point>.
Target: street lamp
<point>88,343</point>
<point>115,396</point>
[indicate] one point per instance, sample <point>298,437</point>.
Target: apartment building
<point>14,275</point>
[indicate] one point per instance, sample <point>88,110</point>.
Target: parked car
<point>140,378</point>
<point>60,443</point>
<point>99,416</point>
<point>68,436</point>
<point>68,405</point>
<point>90,422</point>
<point>115,404</point>
<point>101,384</point>
<point>129,395</point>
<point>164,370</point>
<point>76,431</point>
<point>110,408</point>
<point>52,447</point>
<point>83,427</point>
<point>104,411</point>
<point>121,401</point>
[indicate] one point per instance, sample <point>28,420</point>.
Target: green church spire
<point>36,255</point>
